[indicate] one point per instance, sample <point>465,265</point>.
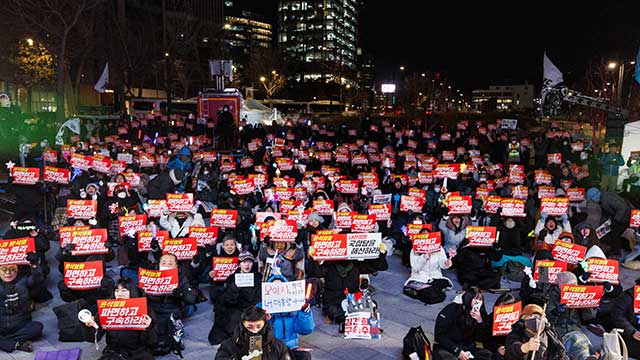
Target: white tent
<point>257,113</point>
<point>630,142</point>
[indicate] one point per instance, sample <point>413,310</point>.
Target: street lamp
<point>227,26</point>
<point>423,74</point>
<point>401,68</point>
<point>30,41</point>
<point>612,65</point>
<point>263,79</point>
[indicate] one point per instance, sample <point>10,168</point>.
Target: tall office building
<point>246,29</point>
<point>320,36</point>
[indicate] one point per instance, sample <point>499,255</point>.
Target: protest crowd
<point>268,222</point>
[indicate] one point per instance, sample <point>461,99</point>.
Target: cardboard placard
<point>133,223</point>
<point>542,177</point>
<point>88,242</point>
<point>183,248</point>
<point>413,229</point>
<point>81,162</point>
<point>83,275</point>
<point>481,236</point>
<point>56,175</point>
<point>504,316</point>
<point>281,230</point>
<point>281,297</point>
<point>298,216</point>
<point>50,156</point>
<point>357,325</point>
<point>520,192</point>
<point>343,219</point>
<point>411,203</point>
<point>555,267</point>
<point>513,207</point>
<point>82,209</point>
<point>554,206</point>
<point>634,219</point>
<point>382,212</point>
<point>224,218</point>
<point>636,299</point>
<point>284,164</point>
<point>546,191</point>
<point>569,252</point>
<point>180,202</point>
<point>347,186</point>
<point>283,193</point>
<point>155,207</point>
<point>25,175</point>
<point>122,314</point>
<point>145,237</point>
<point>363,223</point>
<point>14,251</point>
<point>492,203</point>
<point>450,171</point>
<point>101,164</point>
<point>323,207</point>
<point>223,267</point>
<point>603,270</point>
<point>427,243</point>
<point>158,282</point>
<point>459,204</point>
<point>204,235</point>
<point>555,158</point>
<point>243,187</point>
<point>576,194</point>
<point>345,246</point>
<point>516,174</point>
<point>581,296</point>
<point>448,155</point>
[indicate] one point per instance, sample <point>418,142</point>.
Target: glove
<point>209,249</point>
<point>33,258</point>
<point>155,246</point>
<point>93,222</point>
<point>564,217</point>
<point>195,262</point>
<point>585,277</point>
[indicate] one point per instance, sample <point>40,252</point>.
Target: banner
<point>357,326</point>
<point>145,237</point>
<point>224,218</point>
<point>14,251</point>
<point>481,236</point>
<point>56,175</point>
<point>603,270</point>
<point>634,220</point>
<point>512,207</point>
<point>555,267</point>
<point>123,314</point>
<point>569,252</point>
<point>155,208</point>
<point>133,223</point>
<point>82,209</point>
<point>347,186</point>
<point>576,194</point>
<point>282,230</point>
<point>180,202</point>
<point>580,296</point>
<point>25,175</point>
<point>504,316</point>
<point>183,249</point>
<point>323,207</point>
<point>382,212</point>
<point>459,204</point>
<point>363,223</point>
<point>282,297</point>
<point>223,267</point>
<point>158,282</point>
<point>204,235</point>
<point>345,246</point>
<point>554,206</point>
<point>83,275</point>
<point>450,171</point>
<point>88,242</point>
<point>411,203</point>
<point>426,243</point>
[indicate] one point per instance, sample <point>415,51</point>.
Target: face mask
<point>510,224</point>
<point>533,325</point>
<point>164,267</point>
<point>122,195</point>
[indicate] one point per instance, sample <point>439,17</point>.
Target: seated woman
<point>426,282</point>
<point>125,344</point>
<point>286,259</point>
<point>496,344</point>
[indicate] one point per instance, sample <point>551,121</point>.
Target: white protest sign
<point>244,280</point>
<point>279,297</point>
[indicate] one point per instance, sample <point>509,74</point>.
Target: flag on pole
<point>552,75</point>
<point>101,85</point>
<point>637,74</point>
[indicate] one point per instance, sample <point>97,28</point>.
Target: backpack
<point>514,271</point>
<point>416,345</point>
<point>613,346</point>
<point>432,293</point>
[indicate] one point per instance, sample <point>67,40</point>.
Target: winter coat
<point>622,314</point>
<point>237,346</point>
<point>513,241</point>
<point>451,236</point>
<point>177,163</point>
<point>134,344</point>
<point>611,164</point>
<point>615,206</point>
<point>171,224</point>
<point>17,314</point>
<point>455,330</point>
<point>566,320</point>
<point>241,298</point>
<point>287,265</point>
<point>425,271</point>
<point>160,186</point>
<point>552,236</point>
<point>551,348</point>
<point>287,326</point>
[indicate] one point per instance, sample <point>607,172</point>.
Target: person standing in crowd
<point>610,161</point>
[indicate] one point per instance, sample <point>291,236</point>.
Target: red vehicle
<point>210,103</point>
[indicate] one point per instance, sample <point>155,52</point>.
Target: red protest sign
<point>259,179</point>
<point>343,219</point>
<point>298,216</point>
<point>25,175</point>
<point>82,209</point>
<point>576,194</point>
<point>328,247</point>
<point>459,204</point>
<point>555,158</point>
<point>413,229</point>
<point>492,203</point>
<point>283,193</point>
<point>123,314</point>
<point>603,270</point>
<point>155,208</point>
<point>410,203</point>
<point>426,243</point>
<point>555,267</point>
<point>284,164</point>
<point>425,177</point>
<point>634,220</point>
<point>504,316</point>
<point>282,230</point>
<point>382,212</point>
<point>101,164</point>
<point>133,223</point>
<point>481,236</point>
<point>83,275</point>
<point>636,299</point>
<point>363,223</point>
<point>419,193</point>
<point>224,218</point>
<point>223,267</point>
<point>88,242</point>
<point>288,205</point>
<point>512,207</point>
<point>243,187</point>
<point>546,191</point>
<point>145,237</point>
<point>516,174</point>
<point>482,193</point>
<point>554,206</point>
<point>542,177</point>
<point>580,296</point>
<point>204,235</point>
<point>180,202</point>
<point>81,162</point>
<point>569,252</point>
<point>64,233</point>
<point>323,207</point>
<point>347,186</point>
<point>14,251</point>
<point>520,192</point>
<point>448,155</point>
<point>183,248</point>
<point>450,171</point>
<point>50,156</point>
<point>56,175</point>
<point>158,282</point>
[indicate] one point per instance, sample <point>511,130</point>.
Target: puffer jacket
<point>14,314</point>
<point>551,237</point>
<point>451,236</point>
<point>237,346</point>
<point>551,347</point>
<point>425,271</point>
<point>171,224</point>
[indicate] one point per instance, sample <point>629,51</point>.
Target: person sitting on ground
<point>548,230</point>
<point>533,333</point>
<point>624,317</point>
<point>496,344</point>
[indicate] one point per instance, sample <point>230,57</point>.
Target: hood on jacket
<point>342,207</point>
<point>184,151</point>
<point>595,252</point>
<point>566,278</point>
<point>464,223</point>
<point>277,277</point>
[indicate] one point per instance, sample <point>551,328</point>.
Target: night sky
<point>479,43</point>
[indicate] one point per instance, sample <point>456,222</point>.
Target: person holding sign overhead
<point>532,333</point>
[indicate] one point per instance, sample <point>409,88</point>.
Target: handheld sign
<point>243,187</point>
<point>183,249</point>
<point>345,246</point>
<point>280,297</point>
<point>554,206</point>
<point>504,316</point>
<point>634,220</point>
<point>571,253</point>
<point>25,176</point>
<point>158,282</point>
<point>14,251</point>
<point>411,203</point>
<point>56,175</point>
<point>459,204</point>
<point>155,208</point>
<point>426,243</point>
<point>363,223</point>
<point>122,314</point>
<point>576,194</point>
<point>580,296</point>
<point>603,270</point>
<point>82,209</point>
<point>413,229</point>
<point>554,268</point>
<point>204,235</point>
<point>636,299</point>
<point>512,207</point>
<point>223,267</point>
<point>133,223</point>
<point>83,275</point>
<point>283,230</point>
<point>145,237</point>
<point>382,212</point>
<point>323,207</point>
<point>357,325</point>
<point>481,236</point>
<point>180,202</point>
<point>89,242</point>
<point>224,218</point>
